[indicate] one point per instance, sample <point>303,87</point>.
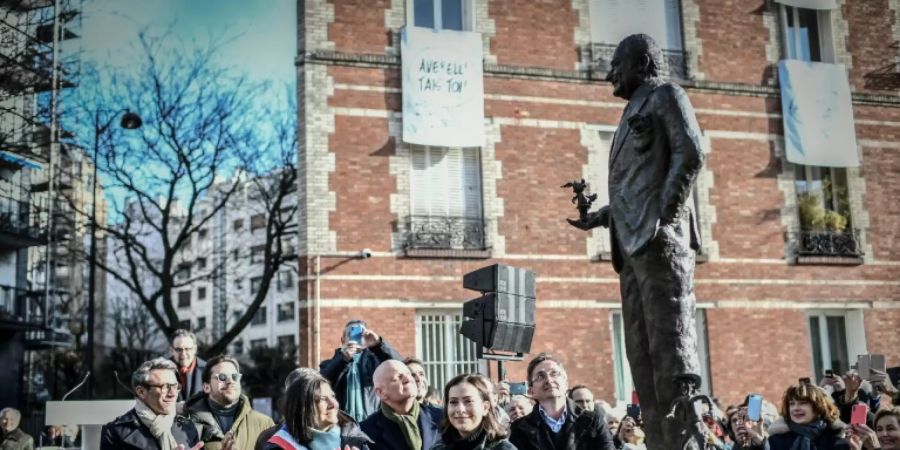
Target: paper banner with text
<point>443,88</point>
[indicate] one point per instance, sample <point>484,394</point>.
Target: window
<point>184,299</point>
<point>183,272</point>
<point>285,280</point>
<point>823,200</point>
<point>835,338</point>
<point>445,352</point>
<point>201,323</point>
<point>613,20</point>
<point>260,317</point>
<point>235,254</point>
<point>185,324</point>
<point>286,343</point>
<point>255,282</point>
<point>202,233</point>
<point>257,253</point>
<point>238,284</point>
<point>257,221</point>
<point>286,312</point>
<point>442,14</point>
<point>237,348</point>
<point>445,191</point>
<point>807,34</point>
<point>622,370</point>
<point>238,224</point>
<point>258,343</point>
<point>201,263</point>
<point>201,293</point>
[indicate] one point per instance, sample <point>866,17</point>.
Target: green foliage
<point>814,216</point>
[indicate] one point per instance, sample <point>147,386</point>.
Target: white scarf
<point>160,425</point>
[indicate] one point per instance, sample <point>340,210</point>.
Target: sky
<point>262,38</point>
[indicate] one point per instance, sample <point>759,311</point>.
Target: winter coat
<point>351,435</point>
<point>782,438</point>
<point>16,440</point>
<point>194,383</point>
<point>501,444</point>
<point>386,435</point>
<point>128,433</point>
<point>335,371</point>
<point>247,426</point>
<point>585,431</point>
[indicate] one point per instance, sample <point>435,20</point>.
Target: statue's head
<point>637,60</point>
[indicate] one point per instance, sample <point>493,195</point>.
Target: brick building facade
<point>771,309</point>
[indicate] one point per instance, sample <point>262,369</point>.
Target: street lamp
<point>130,121</point>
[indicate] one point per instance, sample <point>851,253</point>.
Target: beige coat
<point>248,424</point>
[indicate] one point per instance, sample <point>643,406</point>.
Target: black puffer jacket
<point>782,438</point>
<point>127,433</point>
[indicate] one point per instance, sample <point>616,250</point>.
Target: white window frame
<point>417,195</point>
<point>624,383</point>
<point>854,327</point>
<point>468,14</point>
<point>439,357</point>
<point>823,23</point>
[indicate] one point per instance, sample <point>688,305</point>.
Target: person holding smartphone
<point>352,367</point>
<point>746,433</point>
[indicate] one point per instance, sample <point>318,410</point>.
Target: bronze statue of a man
<point>653,163</point>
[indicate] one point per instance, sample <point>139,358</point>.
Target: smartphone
<point>877,362</point>
<point>355,333</point>
<point>862,366</point>
<point>829,373</point>
<point>858,414</point>
<point>754,407</point>
<point>805,380</point>
<point>517,388</point>
<point>634,411</point>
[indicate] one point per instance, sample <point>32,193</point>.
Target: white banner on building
<point>443,88</point>
<point>818,114</point>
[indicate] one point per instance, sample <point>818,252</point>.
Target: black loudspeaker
<point>502,319</point>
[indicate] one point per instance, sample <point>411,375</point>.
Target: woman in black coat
<point>469,420</point>
<point>809,422</point>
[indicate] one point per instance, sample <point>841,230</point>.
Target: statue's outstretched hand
<point>599,218</point>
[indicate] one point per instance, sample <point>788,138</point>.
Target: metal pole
<point>54,144</point>
<point>317,323</point>
<point>92,267</point>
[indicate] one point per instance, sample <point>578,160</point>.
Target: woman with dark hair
<point>313,421</point>
<point>809,421</point>
<point>469,422</point>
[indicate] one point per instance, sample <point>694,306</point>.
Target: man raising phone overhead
<point>351,368</point>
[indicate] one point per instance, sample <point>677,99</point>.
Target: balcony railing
<point>445,233</point>
<point>21,222</point>
<point>21,308</point>
<point>834,244</point>
<point>599,56</point>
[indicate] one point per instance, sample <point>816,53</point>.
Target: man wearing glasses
<point>183,349</point>
<point>223,415</point>
<point>152,423</point>
<point>556,424</point>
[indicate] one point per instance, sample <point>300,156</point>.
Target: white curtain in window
<point>613,20</point>
<point>810,4</point>
<point>445,182</point>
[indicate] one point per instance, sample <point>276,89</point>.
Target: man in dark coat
<point>183,351</point>
<point>401,423</point>
<point>152,423</point>
<point>653,164</point>
<point>11,437</point>
<point>351,369</point>
<point>556,423</point>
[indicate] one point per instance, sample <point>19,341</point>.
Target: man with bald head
<point>401,423</point>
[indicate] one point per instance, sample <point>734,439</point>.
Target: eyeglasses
<point>183,349</point>
<point>223,377</point>
<point>165,387</point>
<point>325,398</point>
<point>544,376</point>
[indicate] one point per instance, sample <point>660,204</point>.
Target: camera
<point>365,253</point>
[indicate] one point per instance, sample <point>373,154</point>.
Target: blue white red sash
<point>284,440</point>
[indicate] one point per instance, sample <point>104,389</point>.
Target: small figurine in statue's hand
<point>586,220</point>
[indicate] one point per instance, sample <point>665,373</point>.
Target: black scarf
<point>806,434</point>
<point>457,442</point>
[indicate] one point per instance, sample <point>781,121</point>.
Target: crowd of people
<point>366,397</point>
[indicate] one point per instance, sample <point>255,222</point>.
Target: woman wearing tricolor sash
<point>313,420</point>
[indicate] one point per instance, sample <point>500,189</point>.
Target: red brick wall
<point>762,351</point>
<point>359,26</point>
<point>537,33</point>
<point>734,41</point>
<point>869,23</point>
<point>882,336</point>
<point>881,167</point>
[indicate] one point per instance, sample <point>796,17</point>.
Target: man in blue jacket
<point>401,422</point>
<point>352,367</point>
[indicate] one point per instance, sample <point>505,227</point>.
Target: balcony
<point>21,309</point>
<point>599,57</point>
<point>828,247</point>
<point>20,225</point>
<point>429,236</point>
